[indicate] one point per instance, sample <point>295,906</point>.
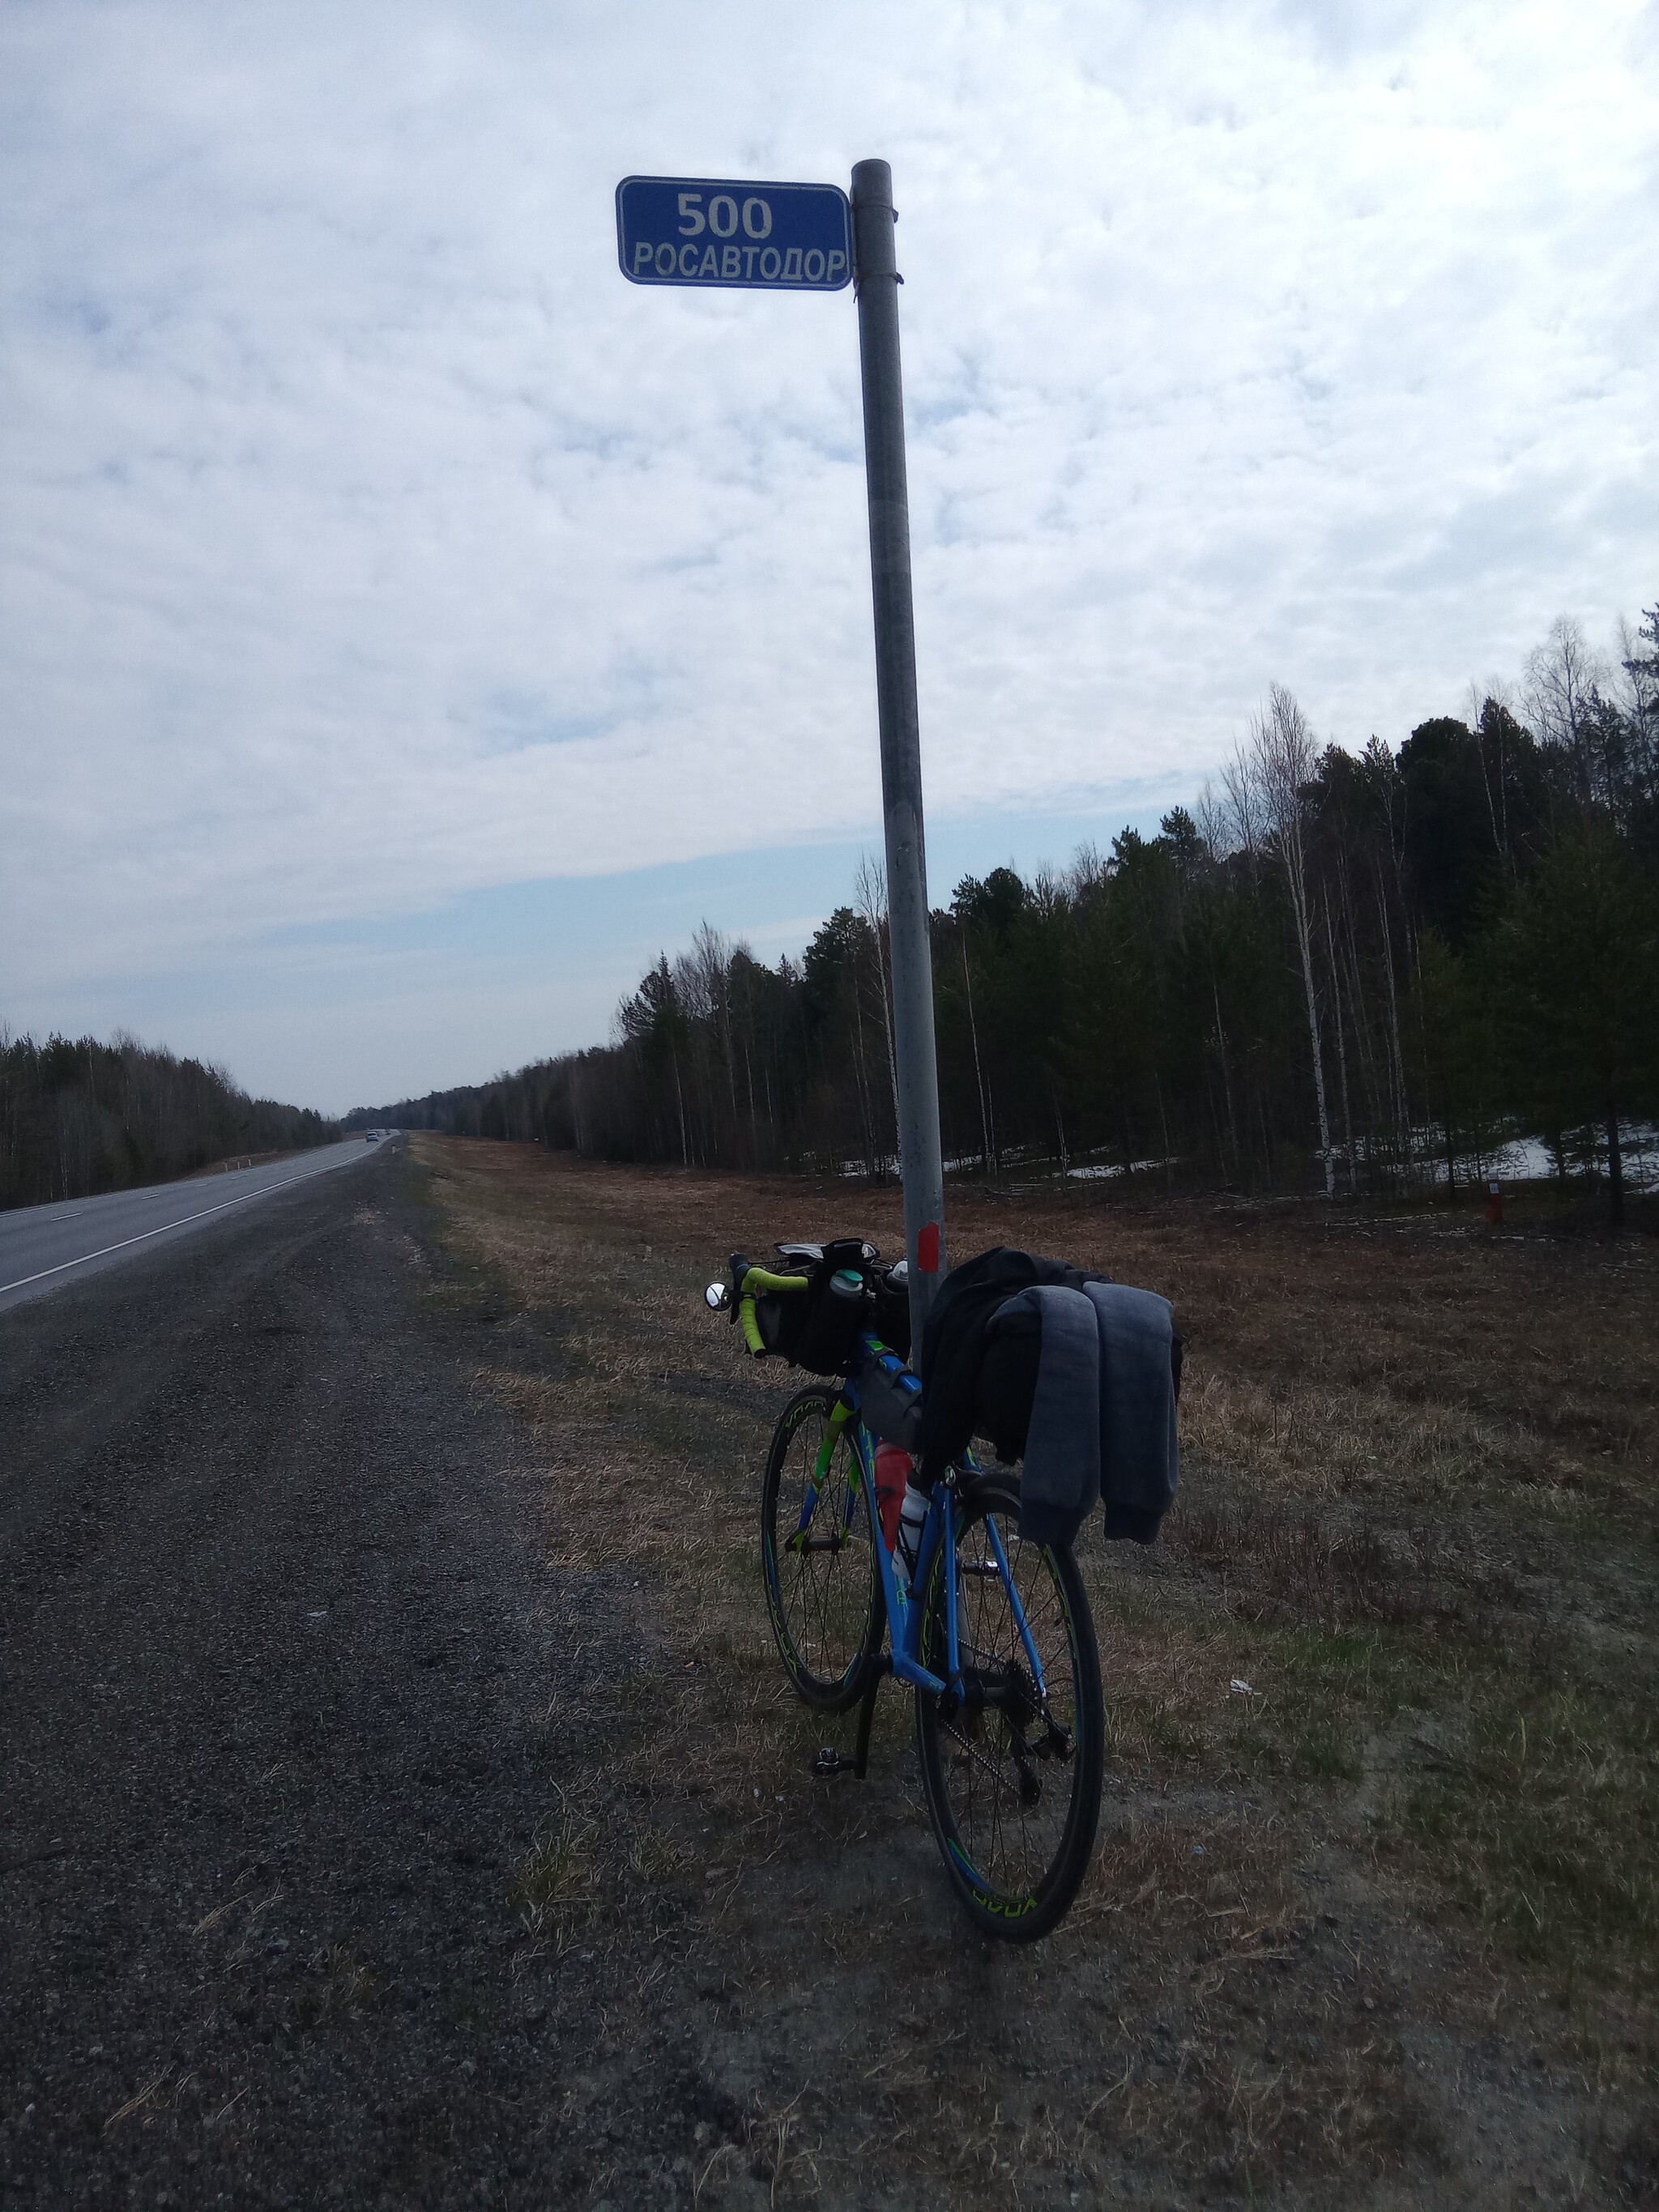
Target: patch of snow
<point>1091,1174</point>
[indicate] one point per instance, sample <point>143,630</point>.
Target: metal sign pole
<point>920,1154</point>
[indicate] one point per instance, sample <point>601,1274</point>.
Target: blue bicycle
<point>995,1635</point>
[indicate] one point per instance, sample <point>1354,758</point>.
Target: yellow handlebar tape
<point>757,1280</point>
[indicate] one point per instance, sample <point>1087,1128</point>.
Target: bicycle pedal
<point>828,1762</point>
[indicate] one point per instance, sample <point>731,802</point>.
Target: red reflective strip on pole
<point>928,1248</point>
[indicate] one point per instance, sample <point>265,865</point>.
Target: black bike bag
<point>818,1329</point>
<point>890,1402</point>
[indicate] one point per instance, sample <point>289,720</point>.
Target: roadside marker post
<point>708,232</point>
<point>921,1156</point>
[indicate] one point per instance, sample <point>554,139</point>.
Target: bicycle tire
<point>824,1603</point>
<point>1016,1849</point>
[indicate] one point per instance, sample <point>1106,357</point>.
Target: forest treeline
<point>1334,970</point>
<point>78,1117</point>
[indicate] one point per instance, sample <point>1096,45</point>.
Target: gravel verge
<point>288,1697</point>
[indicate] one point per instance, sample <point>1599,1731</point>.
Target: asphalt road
<point>286,1693</point>
<point>42,1247</point>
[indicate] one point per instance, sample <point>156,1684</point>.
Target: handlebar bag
<point>827,1338</point>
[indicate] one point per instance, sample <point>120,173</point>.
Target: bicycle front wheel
<point>817,1556</point>
<point>1012,1778</point>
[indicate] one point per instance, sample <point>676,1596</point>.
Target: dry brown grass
<point>1399,1889</point>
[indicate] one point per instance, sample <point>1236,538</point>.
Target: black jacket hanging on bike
<point>1081,1383</point>
<point>953,1343</point>
<point>1075,1375</point>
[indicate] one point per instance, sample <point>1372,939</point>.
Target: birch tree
<point>1276,771</point>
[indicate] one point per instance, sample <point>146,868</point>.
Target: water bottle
<point>892,1474</point>
<point>907,1548</point>
<point>904,1509</point>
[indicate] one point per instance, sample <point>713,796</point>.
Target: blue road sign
<point>699,230</point>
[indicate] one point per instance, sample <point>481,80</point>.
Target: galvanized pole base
<point>921,1157</point>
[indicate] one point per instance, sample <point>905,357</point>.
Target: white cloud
<point>368,539</point>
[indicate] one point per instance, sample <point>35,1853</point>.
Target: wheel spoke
<point>983,1761</point>
<point>823,1589</point>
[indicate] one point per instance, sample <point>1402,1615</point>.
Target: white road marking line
<point>183,1222</point>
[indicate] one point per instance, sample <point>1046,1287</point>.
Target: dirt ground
<point>1373,1917</point>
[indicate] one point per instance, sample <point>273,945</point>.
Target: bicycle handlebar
<point>754,1282</point>
<point>749,1283</point>
<point>761,1279</point>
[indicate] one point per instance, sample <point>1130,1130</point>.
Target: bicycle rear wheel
<point>822,1584</point>
<point>1012,1781</point>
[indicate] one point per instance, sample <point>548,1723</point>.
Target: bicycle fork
<point>836,1540</point>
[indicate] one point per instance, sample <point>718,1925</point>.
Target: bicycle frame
<point>904,1607</point>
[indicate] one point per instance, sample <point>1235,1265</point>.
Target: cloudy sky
<point>406,625</point>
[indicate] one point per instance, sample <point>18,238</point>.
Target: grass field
<point>1381,1927</point>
